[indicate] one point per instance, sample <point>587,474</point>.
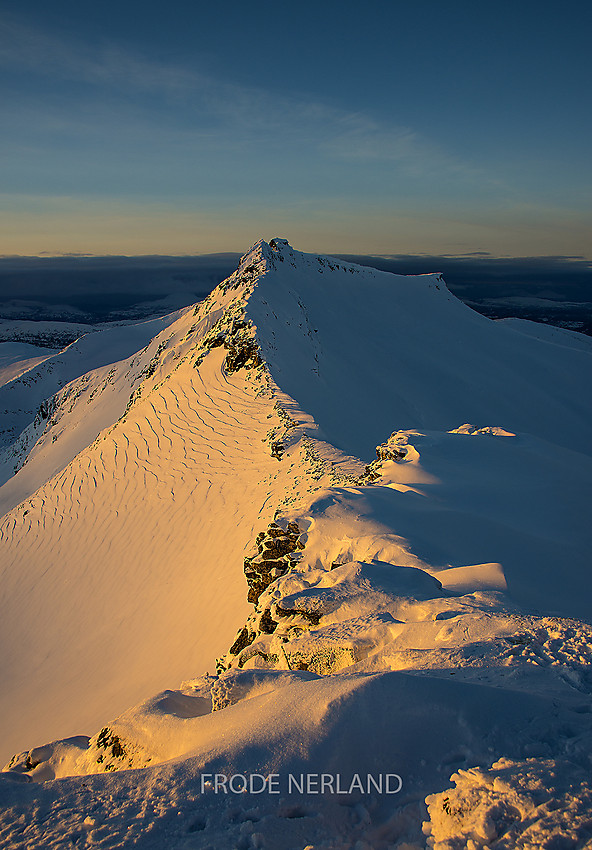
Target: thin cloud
<point>363,140</point>
<point>213,108</point>
<point>25,48</point>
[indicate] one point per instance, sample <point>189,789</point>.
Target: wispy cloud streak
<point>201,107</point>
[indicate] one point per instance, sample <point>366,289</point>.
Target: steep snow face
<point>366,352</point>
<point>410,614</point>
<point>516,493</point>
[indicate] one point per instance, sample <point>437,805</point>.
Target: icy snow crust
<point>424,613</point>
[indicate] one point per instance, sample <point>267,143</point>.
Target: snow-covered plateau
<point>328,532</point>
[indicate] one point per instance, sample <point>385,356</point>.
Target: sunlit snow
<point>404,484</point>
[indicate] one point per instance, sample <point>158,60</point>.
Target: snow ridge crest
<point>265,256</point>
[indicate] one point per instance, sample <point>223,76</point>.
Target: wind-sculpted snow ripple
<point>132,521</point>
<point>412,615</point>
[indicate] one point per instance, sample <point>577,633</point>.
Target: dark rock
<point>244,638</point>
<point>215,342</point>
<point>277,546</point>
<point>267,624</point>
<point>371,474</point>
<point>277,449</point>
<point>312,616</point>
<point>255,591</point>
<point>386,452</point>
<point>262,567</point>
<point>107,740</point>
<point>242,352</point>
<point>274,530</point>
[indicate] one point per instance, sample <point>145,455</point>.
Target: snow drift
<point>404,485</point>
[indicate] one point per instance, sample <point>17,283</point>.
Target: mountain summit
<point>310,498</point>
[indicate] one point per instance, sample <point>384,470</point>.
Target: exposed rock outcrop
<point>392,449</point>
<point>237,335</point>
<point>276,549</point>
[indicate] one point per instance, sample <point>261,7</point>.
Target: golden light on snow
<point>328,524</point>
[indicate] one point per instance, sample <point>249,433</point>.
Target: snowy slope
<point>416,355</point>
<point>26,401</point>
<point>122,553</point>
<point>16,358</point>
<point>46,334</point>
<point>248,427</point>
<point>550,333</point>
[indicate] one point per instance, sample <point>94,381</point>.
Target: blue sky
<point>426,126</point>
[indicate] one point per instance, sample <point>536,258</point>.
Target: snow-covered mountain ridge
<point>242,436</point>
